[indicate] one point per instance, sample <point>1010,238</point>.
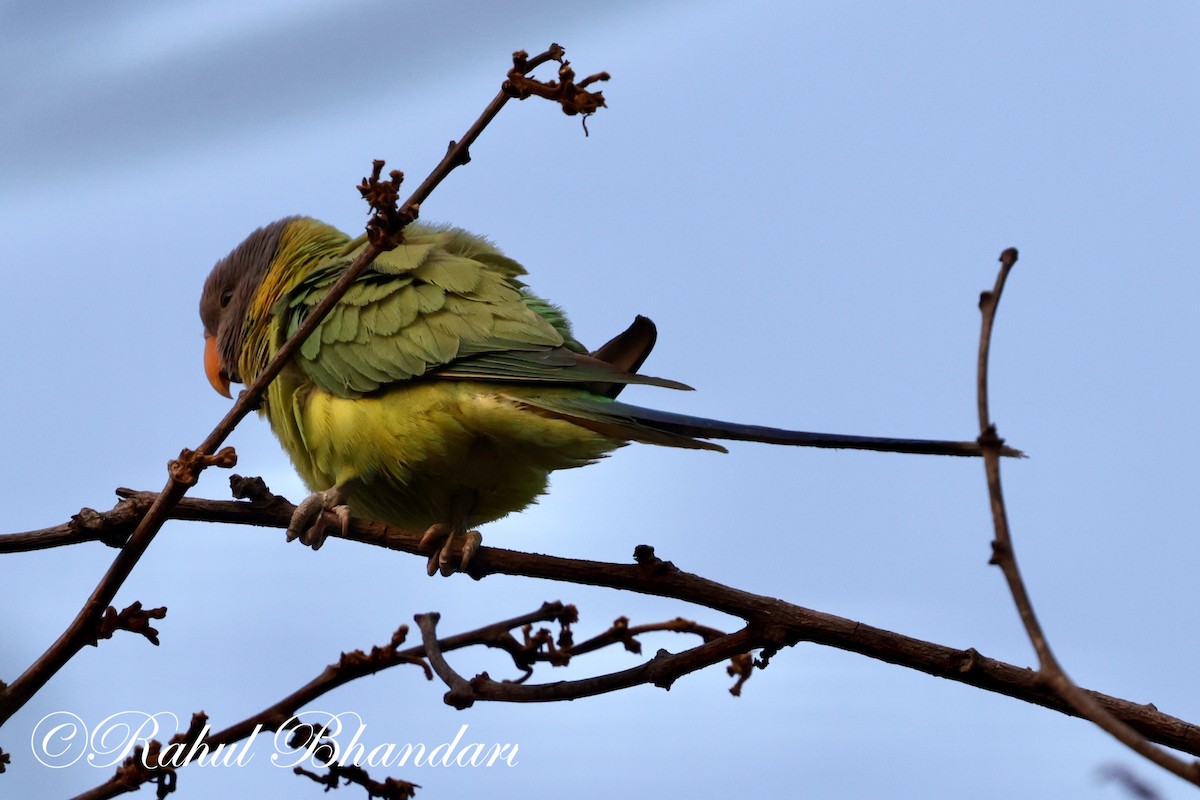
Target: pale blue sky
<point>807,198</point>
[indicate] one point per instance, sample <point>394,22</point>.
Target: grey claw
<point>309,523</point>
<point>472,541</point>
<point>455,552</point>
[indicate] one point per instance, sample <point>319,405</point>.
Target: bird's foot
<point>457,548</point>
<point>313,518</point>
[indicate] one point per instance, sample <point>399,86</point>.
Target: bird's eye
<point>226,296</point>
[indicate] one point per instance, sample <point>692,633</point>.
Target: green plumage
<point>437,372</point>
<point>439,387</point>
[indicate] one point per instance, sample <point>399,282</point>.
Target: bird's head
<point>226,301</point>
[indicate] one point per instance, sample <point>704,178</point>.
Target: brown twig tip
<point>164,765</point>
<point>644,556</point>
<point>398,637</point>
<point>385,229</point>
<point>536,645</point>
<point>765,655</point>
<point>741,667</point>
<point>573,98</point>
<point>565,614</point>
<point>388,789</point>
<point>133,618</point>
<point>195,728</point>
<point>357,662</point>
<point>524,64</point>
<point>133,772</point>
<point>1008,258</point>
<point>255,490</point>
<point>590,79</point>
<point>186,469</point>
<point>620,632</point>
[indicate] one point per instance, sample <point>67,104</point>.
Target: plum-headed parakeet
<point>440,392</point>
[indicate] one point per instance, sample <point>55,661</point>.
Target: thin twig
<point>185,470</point>
<point>1050,672</point>
<point>349,667</point>
<point>111,527</point>
<point>135,772</point>
<point>387,789</point>
<point>79,631</point>
<point>662,671</point>
<point>621,631</point>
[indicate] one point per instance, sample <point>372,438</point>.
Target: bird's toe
<point>317,515</point>
<point>455,551</point>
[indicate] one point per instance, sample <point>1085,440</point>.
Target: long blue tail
<point>702,428</point>
<point>634,423</point>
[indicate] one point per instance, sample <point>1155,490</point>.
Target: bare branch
<point>786,623</point>
<point>661,671</point>
<point>385,231</point>
<point>1050,672</point>
<point>135,772</point>
<point>573,97</point>
<point>112,527</point>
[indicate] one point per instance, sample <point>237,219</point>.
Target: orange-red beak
<point>212,366</point>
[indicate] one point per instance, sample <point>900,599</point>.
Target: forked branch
<point>776,623</point>
<point>159,764</point>
<point>385,230</point>
<point>1050,672</point>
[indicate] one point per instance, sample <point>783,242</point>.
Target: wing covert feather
<point>439,297</point>
<point>445,304</point>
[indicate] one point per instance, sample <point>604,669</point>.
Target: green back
<point>444,303</point>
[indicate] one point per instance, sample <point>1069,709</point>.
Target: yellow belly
<point>405,453</point>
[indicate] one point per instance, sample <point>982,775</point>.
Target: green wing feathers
<point>444,304</point>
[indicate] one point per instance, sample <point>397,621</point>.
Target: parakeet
<point>440,392</point>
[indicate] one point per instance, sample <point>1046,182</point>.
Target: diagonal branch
<point>350,666</point>
<point>158,764</point>
<point>384,229</point>
<point>1082,703</point>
